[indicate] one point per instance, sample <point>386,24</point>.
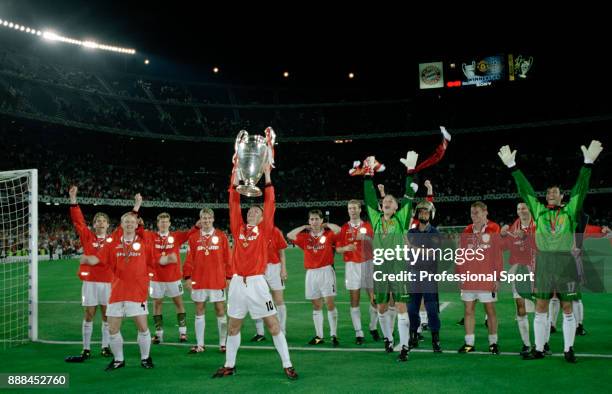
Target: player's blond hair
<point>354,202</point>
<point>479,204</point>
<point>128,214</point>
<point>208,211</point>
<point>103,215</point>
<point>163,215</point>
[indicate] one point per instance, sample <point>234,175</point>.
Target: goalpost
<point>18,257</point>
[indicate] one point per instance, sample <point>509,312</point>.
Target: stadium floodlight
<point>51,36</point>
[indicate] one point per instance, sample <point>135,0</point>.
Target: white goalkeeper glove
<point>507,156</point>
<point>410,160</point>
<point>590,154</point>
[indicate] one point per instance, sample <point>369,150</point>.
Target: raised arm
<point>235,211</point>
<point>333,227</point>
<point>75,213</point>
<point>580,189</point>
<point>525,190</point>
<point>292,235</point>
<point>269,202</point>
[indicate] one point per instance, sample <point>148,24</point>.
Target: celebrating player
<point>317,240</point>
<point>555,228</point>
<point>206,270</point>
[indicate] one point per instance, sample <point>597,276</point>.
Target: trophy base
<point>249,191</point>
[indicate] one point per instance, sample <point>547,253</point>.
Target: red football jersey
<point>165,245</point>
<point>276,244</point>
<point>488,241</point>
<point>250,254</point>
<point>92,244</point>
<point>318,249</point>
<point>208,262</point>
<point>522,249</point>
<point>348,235</point>
<point>129,262</point>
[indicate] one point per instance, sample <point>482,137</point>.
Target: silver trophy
<point>252,152</point>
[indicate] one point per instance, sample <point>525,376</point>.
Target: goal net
<point>18,257</point>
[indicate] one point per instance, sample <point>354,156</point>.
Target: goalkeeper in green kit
<point>389,227</point>
<point>555,266</point>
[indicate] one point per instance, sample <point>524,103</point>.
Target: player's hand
<point>199,224</point>
<point>381,189</point>
<point>267,168</point>
<point>187,284</point>
<point>507,156</point>
<point>283,274</point>
<point>445,133</point>
<point>350,248</point>
<point>429,187</point>
<point>590,154</point>
<point>137,202</point>
<point>410,160</point>
<point>504,230</point>
<point>172,258</point>
<point>73,194</point>
<point>140,222</point>
<point>605,230</point>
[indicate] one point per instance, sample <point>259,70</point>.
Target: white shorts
<point>358,275</point>
<point>204,295</point>
<point>320,282</point>
<point>159,290</point>
<point>252,297</point>
<point>127,309</point>
<point>95,293</point>
<point>273,277</point>
<point>482,296</point>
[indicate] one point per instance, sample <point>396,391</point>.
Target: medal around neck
<point>253,152</point>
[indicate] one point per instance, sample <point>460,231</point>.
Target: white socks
<point>144,343</point>
<point>403,326</point>
<point>385,325</point>
<point>116,345</point>
<point>87,329</point>
<point>222,327</point>
<point>356,318</point>
<point>523,325</point>
<point>280,343</point>
<point>469,340</point>
<point>317,318</point>
<point>105,334</point>
<point>259,327</point>
<point>492,339</point>
<point>553,310</point>
<point>200,324</point>
<point>578,309</point>
<point>540,326</point>
<point>332,318</point>
<point>282,317</point>
<point>569,331</point>
<point>373,318</point>
<point>233,343</point>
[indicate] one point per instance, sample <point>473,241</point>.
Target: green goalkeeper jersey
<point>555,226</point>
<point>388,233</point>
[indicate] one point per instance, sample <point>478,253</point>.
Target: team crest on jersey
<point>109,239</point>
<point>215,239</point>
<point>486,238</point>
<point>322,239</point>
<point>136,246</point>
<point>362,230</point>
<point>171,239</point>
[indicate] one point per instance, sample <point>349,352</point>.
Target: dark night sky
<point>316,44</point>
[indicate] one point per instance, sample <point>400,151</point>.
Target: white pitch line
<point>320,349</point>
<point>442,305</point>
